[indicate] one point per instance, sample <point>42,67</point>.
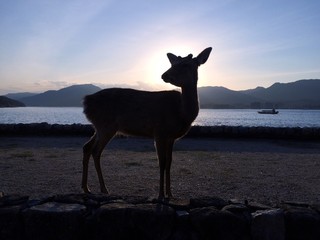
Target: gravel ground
<point>267,171</point>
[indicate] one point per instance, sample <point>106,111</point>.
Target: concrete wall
<point>196,131</point>
<point>81,216</point>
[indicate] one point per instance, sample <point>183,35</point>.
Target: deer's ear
<point>204,55</point>
<point>172,58</point>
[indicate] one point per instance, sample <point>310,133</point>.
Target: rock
<point>152,221</point>
<point>12,200</point>
<point>302,223</point>
<point>210,223</point>
<point>102,198</point>
<point>111,221</point>
<point>101,216</point>
<point>182,229</point>
<point>268,225</point>
<point>83,199</point>
<point>137,199</point>
<point>208,202</point>
<point>286,204</point>
<point>255,206</point>
<point>182,214</point>
<point>176,203</point>
<point>54,220</point>
<point>11,225</point>
<point>128,221</point>
<point>316,207</point>
<point>241,211</point>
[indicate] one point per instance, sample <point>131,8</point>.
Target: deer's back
<point>137,112</point>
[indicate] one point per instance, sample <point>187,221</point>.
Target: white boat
<point>268,111</point>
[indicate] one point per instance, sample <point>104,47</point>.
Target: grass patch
<point>133,164</point>
<point>25,154</point>
<point>228,172</point>
<point>73,149</point>
<point>11,145</point>
<point>185,171</point>
<point>51,156</point>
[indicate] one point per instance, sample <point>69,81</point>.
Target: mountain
<point>66,97</point>
<point>220,97</point>
<point>300,94</point>
<point>8,102</point>
<point>18,96</point>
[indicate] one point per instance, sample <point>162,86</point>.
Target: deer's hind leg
<point>87,151</point>
<point>103,137</point>
<point>169,148</point>
<point>164,151</point>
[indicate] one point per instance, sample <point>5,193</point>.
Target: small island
<point>8,102</point>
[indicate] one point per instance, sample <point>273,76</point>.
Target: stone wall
<point>44,129</point>
<point>89,216</point>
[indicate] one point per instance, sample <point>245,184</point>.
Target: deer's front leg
<point>85,163</point>
<point>161,152</point>
<point>103,137</point>
<point>97,165</point>
<point>164,150</point>
<point>87,150</point>
<point>84,184</point>
<point>169,148</point>
<point>96,154</point>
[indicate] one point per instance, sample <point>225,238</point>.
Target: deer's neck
<point>190,103</point>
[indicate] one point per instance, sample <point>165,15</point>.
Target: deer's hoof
<point>161,195</point>
<point>104,190</point>
<point>86,189</point>
<point>169,195</point>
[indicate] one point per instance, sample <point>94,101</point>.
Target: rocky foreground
<point>110,217</point>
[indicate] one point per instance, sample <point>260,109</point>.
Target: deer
<point>165,116</point>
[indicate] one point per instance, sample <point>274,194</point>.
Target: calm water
<point>207,117</point>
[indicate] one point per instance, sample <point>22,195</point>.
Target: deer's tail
<point>88,103</point>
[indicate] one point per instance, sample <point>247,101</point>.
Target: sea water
<point>206,117</point>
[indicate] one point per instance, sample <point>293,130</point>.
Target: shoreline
<point>45,129</point>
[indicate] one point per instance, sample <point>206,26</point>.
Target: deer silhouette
<point>164,116</point>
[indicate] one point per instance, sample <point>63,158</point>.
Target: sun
<point>158,63</point>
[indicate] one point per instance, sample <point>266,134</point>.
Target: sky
<point>51,44</point>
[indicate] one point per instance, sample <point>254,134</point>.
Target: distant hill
<point>302,94</point>
<point>8,102</point>
<point>220,97</point>
<point>66,97</point>
<point>18,96</point>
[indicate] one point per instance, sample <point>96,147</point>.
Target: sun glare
<point>158,63</point>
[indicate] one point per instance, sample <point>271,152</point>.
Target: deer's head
<point>184,70</point>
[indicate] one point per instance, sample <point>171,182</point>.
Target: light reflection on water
<point>250,117</point>
<point>51,115</point>
<point>206,117</point>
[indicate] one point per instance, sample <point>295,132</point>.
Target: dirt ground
<point>267,171</point>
